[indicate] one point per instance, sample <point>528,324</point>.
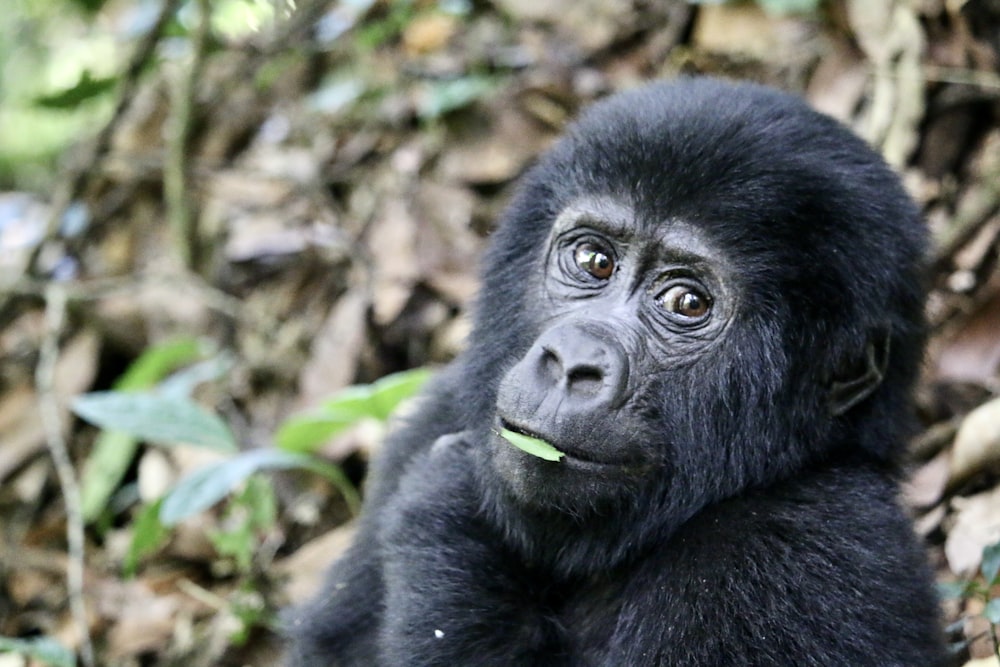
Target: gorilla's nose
<point>581,362</point>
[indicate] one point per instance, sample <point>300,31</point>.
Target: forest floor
<point>268,220</point>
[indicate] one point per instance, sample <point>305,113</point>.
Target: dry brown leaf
<point>306,567</point>
<point>591,24</point>
<point>891,36</point>
<point>746,30</point>
<point>20,424</point>
<point>838,83</point>
<point>496,155</point>
<point>333,359</point>
<point>973,354</point>
<point>926,486</point>
<point>141,619</point>
<point>396,268</point>
<point>428,33</point>
<point>977,525</point>
<point>977,443</point>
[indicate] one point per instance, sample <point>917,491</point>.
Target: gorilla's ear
<point>863,378</point>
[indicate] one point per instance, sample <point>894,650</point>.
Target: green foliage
<point>92,6</point>
<point>441,97</point>
<point>991,564</point>
<point>86,88</point>
<point>148,535</point>
<point>308,431</point>
<point>533,446</point>
<point>249,514</point>
<point>168,416</point>
<point>375,33</point>
<point>249,608</point>
<point>981,589</point>
<point>165,420</point>
<point>776,7</point>
<point>43,649</point>
<point>113,451</point>
<point>210,484</point>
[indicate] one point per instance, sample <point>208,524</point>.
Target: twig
<point>180,214</point>
<point>73,183</point>
<point>51,416</point>
<point>102,288</point>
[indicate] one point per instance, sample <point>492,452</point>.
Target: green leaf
<point>992,611</point>
<point>210,484</point>
<point>45,649</point>
<point>91,6</point>
<point>533,446</point>
<point>305,433</point>
<point>86,88</point>
<point>443,96</point>
<point>183,383</point>
<point>952,590</point>
<point>148,535</point>
<point>161,419</point>
<point>991,564</point>
<point>113,451</point>
<point>391,390</point>
<point>351,403</point>
<point>158,361</point>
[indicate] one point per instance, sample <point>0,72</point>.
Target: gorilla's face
<point>628,310</point>
<point>694,292</point>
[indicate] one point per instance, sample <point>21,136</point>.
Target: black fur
<point>742,508</point>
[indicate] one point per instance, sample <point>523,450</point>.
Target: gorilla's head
<point>702,288</point>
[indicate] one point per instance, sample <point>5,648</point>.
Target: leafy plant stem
<point>51,415</point>
<point>181,215</point>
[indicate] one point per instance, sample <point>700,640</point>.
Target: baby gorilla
<point>707,300</point>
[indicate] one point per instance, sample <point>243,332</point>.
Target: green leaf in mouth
<point>533,446</point>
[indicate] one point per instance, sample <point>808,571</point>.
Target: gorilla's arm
<point>453,590</point>
<point>343,622</point>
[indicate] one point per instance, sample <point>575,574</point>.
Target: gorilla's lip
<point>570,453</point>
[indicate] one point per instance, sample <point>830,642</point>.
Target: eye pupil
<point>594,261</point>
<point>686,302</point>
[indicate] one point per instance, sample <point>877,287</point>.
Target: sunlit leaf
<point>307,432</point>
<point>388,392</point>
<point>161,419</point>
<point>533,446</point>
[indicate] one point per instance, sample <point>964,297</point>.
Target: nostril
<point>551,365</point>
<point>585,380</point>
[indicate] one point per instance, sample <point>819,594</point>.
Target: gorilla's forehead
<point>622,221</point>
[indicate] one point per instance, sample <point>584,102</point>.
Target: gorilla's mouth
<point>572,454</point>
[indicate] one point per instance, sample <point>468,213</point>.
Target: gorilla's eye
<point>685,301</point>
<point>594,260</point>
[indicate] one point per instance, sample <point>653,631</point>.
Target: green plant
<point>982,588</point>
<point>149,405</point>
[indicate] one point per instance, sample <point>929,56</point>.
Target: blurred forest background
<point>216,215</point>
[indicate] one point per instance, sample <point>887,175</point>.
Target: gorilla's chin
<point>574,484</point>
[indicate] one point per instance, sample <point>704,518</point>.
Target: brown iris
<point>685,301</point>
<point>594,261</point>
